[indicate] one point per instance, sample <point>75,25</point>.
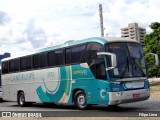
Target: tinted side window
<point>74,54</point>
<point>35,61</point>
<point>59,57</point>
<point>26,63</point>
<point>5,67</point>
<point>16,65</point>
<point>11,66</point>
<point>91,51</point>
<point>0,78</point>
<point>23,63</point>
<point>100,69</point>
<point>77,53</point>
<point>97,67</point>
<point>43,60</point>
<point>68,56</point>
<point>51,58</point>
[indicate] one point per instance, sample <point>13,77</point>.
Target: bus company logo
<point>80,72</point>
<point>102,93</point>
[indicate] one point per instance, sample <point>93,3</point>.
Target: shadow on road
<point>2,101</point>
<point>62,107</point>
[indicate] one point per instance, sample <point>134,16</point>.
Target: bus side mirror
<point>156,60</point>
<point>113,58</point>
<point>155,56</point>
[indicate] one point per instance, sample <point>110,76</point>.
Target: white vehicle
<point>0,85</point>
<point>86,72</point>
<point>0,93</point>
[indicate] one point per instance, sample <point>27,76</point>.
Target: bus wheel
<point>80,100</point>
<point>21,99</point>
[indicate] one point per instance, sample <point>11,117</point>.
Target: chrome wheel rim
<point>21,100</point>
<point>81,100</point>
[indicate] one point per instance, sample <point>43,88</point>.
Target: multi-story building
<point>134,32</point>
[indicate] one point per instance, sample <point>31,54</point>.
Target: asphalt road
<point>150,107</point>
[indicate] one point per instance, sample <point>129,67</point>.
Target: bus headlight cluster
<point>119,94</point>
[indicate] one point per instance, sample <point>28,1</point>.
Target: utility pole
<point>101,20</point>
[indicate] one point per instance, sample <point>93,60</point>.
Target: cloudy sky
<point>26,25</point>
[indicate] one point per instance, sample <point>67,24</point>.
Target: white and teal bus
<point>87,72</point>
<point>0,85</point>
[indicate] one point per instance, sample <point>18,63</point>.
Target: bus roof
<point>101,40</point>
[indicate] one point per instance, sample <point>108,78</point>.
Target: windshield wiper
<point>142,73</point>
<point>124,69</point>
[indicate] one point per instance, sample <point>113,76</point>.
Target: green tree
<point>152,45</point>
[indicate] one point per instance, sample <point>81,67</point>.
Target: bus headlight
<point>119,94</point>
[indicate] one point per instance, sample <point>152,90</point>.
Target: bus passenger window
<point>91,51</point>
<point>23,63</point>
<point>97,67</point>
<point>26,63</point>
<point>51,58</point>
<point>59,57</point>
<point>68,56</point>
<point>43,60</point>
<point>35,61</point>
<point>77,53</point>
<point>16,65</point>
<point>74,54</point>
<point>5,67</point>
<point>100,69</point>
<point>11,66</point>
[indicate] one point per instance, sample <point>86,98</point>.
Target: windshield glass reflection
<point>130,60</point>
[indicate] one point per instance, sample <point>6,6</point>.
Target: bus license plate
<point>136,95</point>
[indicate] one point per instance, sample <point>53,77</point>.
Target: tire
<point>21,99</point>
<point>80,100</point>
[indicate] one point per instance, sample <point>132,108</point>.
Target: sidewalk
<point>154,80</point>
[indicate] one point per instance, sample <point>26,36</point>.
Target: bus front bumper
<point>116,98</point>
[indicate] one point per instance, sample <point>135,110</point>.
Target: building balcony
<point>124,32</point>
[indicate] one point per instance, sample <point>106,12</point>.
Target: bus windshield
<point>130,60</point>
<point>0,78</point>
